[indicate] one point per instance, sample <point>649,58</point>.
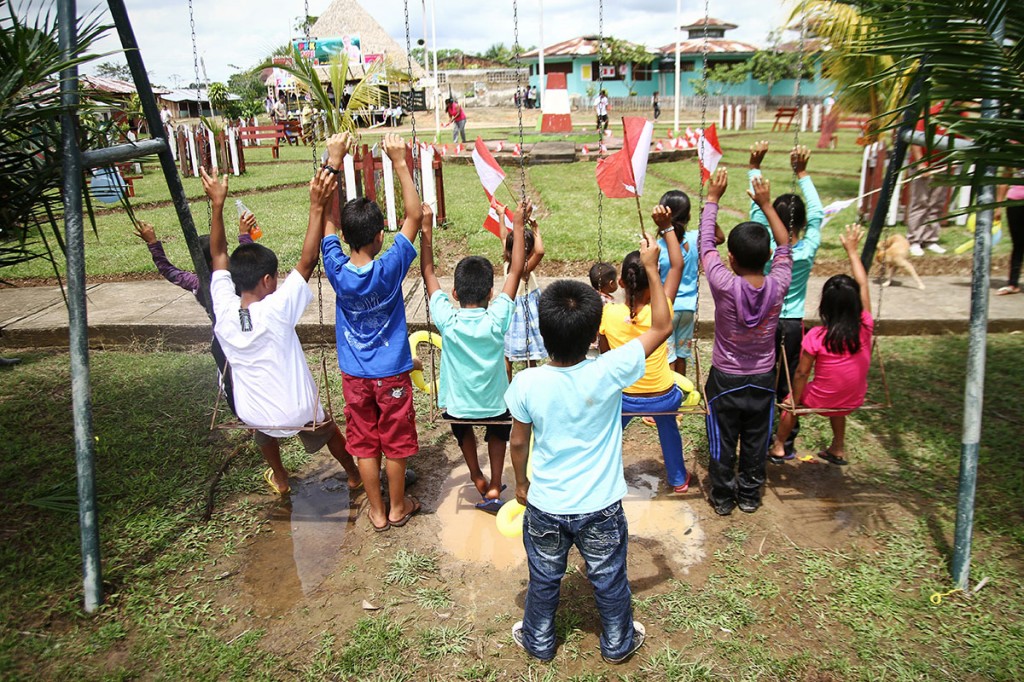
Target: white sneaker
<point>639,635</point>
<point>935,248</point>
<point>517,637</point>
<point>916,250</point>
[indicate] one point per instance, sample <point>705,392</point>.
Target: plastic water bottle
<point>255,232</point>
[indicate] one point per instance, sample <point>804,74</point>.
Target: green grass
<point>758,611</point>
<point>567,197</point>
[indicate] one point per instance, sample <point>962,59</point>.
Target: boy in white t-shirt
<point>572,407</point>
<point>255,323</point>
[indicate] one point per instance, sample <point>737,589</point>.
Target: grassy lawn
<point>567,197</point>
<point>758,607</point>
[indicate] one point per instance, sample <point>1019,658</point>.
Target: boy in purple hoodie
<point>740,389</point>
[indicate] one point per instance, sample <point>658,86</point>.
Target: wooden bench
<point>784,115</point>
<point>272,132</point>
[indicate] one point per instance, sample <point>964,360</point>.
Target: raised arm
<point>662,216</point>
<point>798,158</point>
<point>217,190</point>
<point>427,251</point>
<point>758,150</point>
<point>661,314</point>
<point>761,194</point>
<point>337,148</point>
<point>518,262</point>
<point>321,189</point>
<point>188,281</point>
<point>394,147</point>
<point>850,237</point>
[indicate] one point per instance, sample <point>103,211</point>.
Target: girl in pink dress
<point>839,352</point>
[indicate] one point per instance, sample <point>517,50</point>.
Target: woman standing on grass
<point>456,116</point>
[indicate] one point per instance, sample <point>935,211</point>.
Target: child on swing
<point>656,391</point>
<point>838,352</point>
<point>523,342</point>
<point>255,325</point>
<point>472,384</point>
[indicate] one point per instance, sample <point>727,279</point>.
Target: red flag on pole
<point>491,177</point>
<point>621,175</point>
<point>709,152</point>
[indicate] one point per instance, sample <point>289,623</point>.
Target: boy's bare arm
<point>394,147</point>
<point>761,195</point>
<point>427,251</point>
<point>850,238</point>
<point>217,189</point>
<point>321,189</point>
<point>519,448</point>
<point>661,315</point>
<point>518,262</point>
<point>662,216</point>
<point>337,147</point>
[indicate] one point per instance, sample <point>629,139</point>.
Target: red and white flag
<point>658,146</point>
<point>459,148</point>
<point>671,134</point>
<point>621,175</point>
<point>501,145</point>
<point>584,151</point>
<point>516,150</point>
<point>491,177</point>
<point>709,152</point>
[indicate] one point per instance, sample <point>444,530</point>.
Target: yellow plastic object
<point>510,519</point>
<point>687,387</point>
<point>415,339</point>
<point>997,234</point>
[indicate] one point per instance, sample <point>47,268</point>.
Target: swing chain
<point>519,106</point>
<point>416,175</point>
<point>199,97</point>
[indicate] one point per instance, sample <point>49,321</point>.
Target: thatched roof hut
<point>347,17</point>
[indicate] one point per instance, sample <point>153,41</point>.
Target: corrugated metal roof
<point>582,46</point>
<point>715,46</point>
<point>190,96</point>
<point>711,22</point>
<point>111,85</point>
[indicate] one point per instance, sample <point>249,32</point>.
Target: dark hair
<point>527,243</point>
<point>840,311</point>
<point>677,201</point>
<point>792,211</point>
<point>570,317</point>
<point>204,244</point>
<point>474,279</point>
<point>601,275</point>
<point>634,279</point>
<point>748,243</point>
<point>249,264</point>
<point>361,221</point>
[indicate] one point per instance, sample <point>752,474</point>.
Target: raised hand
<point>662,216</point>
<point>427,222</point>
<point>717,185</point>
<point>322,187</point>
<point>337,147</point>
<point>757,152</point>
<point>649,253</point>
<point>215,188</point>
<point>850,237</point>
<point>798,159</point>
<point>394,147</point>
<point>145,232</point>
<point>760,192</point>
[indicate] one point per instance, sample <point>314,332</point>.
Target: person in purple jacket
<point>189,281</point>
<point>740,389</point>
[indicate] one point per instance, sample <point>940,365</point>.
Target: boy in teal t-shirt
<point>572,407</point>
<point>798,217</point>
<point>473,378</point>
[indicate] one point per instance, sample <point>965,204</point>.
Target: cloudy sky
<point>240,34</point>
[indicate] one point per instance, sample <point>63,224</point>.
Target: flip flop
<point>1007,290</point>
<point>405,519</point>
<point>376,528</point>
<point>268,476</point>
<point>832,459</point>
<point>491,506</point>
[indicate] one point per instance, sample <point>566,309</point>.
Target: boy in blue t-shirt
<point>573,409</point>
<point>804,224</point>
<point>473,379</point>
<point>373,351</point>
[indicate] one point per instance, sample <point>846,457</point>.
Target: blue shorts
<point>682,334</point>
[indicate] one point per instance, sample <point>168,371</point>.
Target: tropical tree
<point>30,133</point>
<point>112,70</point>
<point>624,53</point>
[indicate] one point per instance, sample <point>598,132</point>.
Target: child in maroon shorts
<point>373,351</point>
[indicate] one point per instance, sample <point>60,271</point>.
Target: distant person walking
<point>601,109</point>
<point>456,118</point>
<point>657,105</point>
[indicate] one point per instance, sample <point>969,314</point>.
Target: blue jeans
<point>668,431</point>
<point>601,537</point>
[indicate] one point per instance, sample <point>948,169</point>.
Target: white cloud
<point>242,33</point>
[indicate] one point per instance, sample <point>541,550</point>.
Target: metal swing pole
<point>974,388</point>
<point>78,325</point>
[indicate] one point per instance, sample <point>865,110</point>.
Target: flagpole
<point>678,79</point>
<point>639,212</point>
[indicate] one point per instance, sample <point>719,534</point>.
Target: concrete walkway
<point>123,313</point>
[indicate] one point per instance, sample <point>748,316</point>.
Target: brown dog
<point>892,254</point>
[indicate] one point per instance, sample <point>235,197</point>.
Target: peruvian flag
<point>491,177</point>
<point>658,146</point>
<point>621,175</point>
<point>585,151</point>
<point>709,152</point>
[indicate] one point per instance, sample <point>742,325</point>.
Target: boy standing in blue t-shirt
<point>373,351</point>
<point>473,379</point>
<point>572,407</point>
